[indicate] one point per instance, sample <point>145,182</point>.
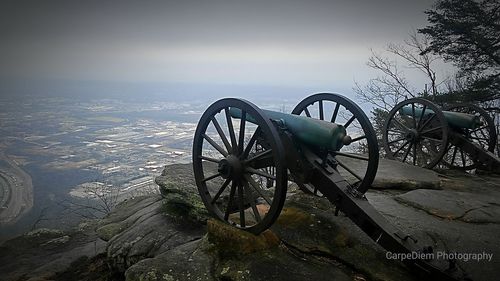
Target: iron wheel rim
<point>327,102</point>
<point>239,183</point>
<point>486,140</point>
<point>406,135</point>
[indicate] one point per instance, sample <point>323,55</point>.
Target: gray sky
<point>289,43</point>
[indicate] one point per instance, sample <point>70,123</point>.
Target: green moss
<point>184,206</point>
<point>107,232</point>
<point>293,218</point>
<point>233,241</point>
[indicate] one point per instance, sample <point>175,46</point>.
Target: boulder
<point>148,231</point>
<point>226,253</point>
<point>41,253</point>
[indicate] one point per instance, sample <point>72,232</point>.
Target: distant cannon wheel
<point>356,161</point>
<point>416,132</point>
<point>239,166</point>
<point>484,136</point>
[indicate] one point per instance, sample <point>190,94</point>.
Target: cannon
<point>461,136</point>
<point>244,158</point>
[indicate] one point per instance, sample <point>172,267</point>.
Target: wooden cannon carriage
<point>244,158</point>
<point>462,137</point>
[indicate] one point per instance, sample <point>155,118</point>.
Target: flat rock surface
<point>393,174</point>
<point>455,205</point>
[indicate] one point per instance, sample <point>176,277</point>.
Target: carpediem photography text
<point>441,255</point>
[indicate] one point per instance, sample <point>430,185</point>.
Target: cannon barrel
<point>309,131</point>
<point>455,119</point>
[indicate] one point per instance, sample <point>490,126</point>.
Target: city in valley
<point>57,150</point>
<point>53,149</point>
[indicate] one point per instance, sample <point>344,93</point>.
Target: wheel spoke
<point>454,155</point>
<point>240,205</point>
<point>230,129</point>
<point>260,173</point>
<point>478,138</point>
<point>230,201</point>
<point>258,156</point>
<point>221,189</point>
<point>399,149</point>
<point>321,114</point>
<point>396,140</point>
<point>308,114</point>
<point>413,115</point>
<point>349,121</point>
<point>221,134</point>
<point>431,130</point>
<point>358,138</point>
<point>415,154</point>
<point>257,188</point>
<point>428,121</point>
<point>396,131</point>
<point>401,125</point>
<point>215,145</point>
<point>407,152</point>
<point>421,116</point>
<point>251,142</point>
<point>335,111</point>
<point>349,170</point>
<point>482,133</point>
<point>242,131</point>
<point>210,177</point>
<point>463,158</point>
<point>209,159</point>
<point>252,202</point>
<point>479,129</point>
<point>433,139</point>
<point>350,155</point>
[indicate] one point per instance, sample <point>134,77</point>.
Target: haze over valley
<point>56,148</point>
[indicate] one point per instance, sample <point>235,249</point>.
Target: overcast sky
<point>290,43</point>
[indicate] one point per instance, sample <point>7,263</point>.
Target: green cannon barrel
<point>310,131</point>
<point>455,119</point>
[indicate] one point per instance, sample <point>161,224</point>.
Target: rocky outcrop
<point>172,237</point>
<point>307,241</point>
<point>142,228</point>
<point>40,254</point>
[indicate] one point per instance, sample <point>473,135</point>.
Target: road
<point>16,191</point>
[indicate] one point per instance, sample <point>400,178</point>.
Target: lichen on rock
<point>232,241</point>
<point>184,206</point>
<point>180,198</point>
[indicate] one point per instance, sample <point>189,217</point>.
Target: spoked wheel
<point>483,136</point>
<point>416,132</point>
<point>239,165</point>
<point>357,161</point>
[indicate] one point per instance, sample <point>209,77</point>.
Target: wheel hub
<point>412,135</point>
<point>230,167</point>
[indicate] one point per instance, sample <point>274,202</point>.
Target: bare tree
<point>392,86</point>
<point>42,216</point>
<point>98,200</point>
